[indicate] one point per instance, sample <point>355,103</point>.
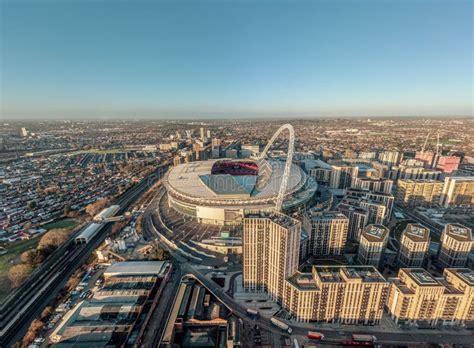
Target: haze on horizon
<point>209,59</point>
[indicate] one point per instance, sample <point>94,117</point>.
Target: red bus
<point>315,335</point>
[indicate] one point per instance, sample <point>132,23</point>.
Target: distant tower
<point>23,132</point>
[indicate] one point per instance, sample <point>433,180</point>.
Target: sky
<point>229,59</point>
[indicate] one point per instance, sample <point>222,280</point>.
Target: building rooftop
<point>327,215</point>
<point>417,232</point>
<point>465,274</point>
<point>459,232</point>
<point>366,274</point>
<point>375,233</point>
<point>303,281</point>
<point>276,217</point>
<point>127,268</point>
<point>421,276</point>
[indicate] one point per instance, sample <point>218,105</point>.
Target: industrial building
<point>111,316</point>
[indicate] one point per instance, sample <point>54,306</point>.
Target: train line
<point>25,303</point>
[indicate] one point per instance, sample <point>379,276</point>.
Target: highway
<point>27,302</point>
<point>333,336</point>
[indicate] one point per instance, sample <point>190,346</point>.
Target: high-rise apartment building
<point>372,245</point>
<point>271,244</point>
<point>377,212</point>
<point>386,199</point>
<point>414,244</point>
<point>458,191</point>
<point>414,193</point>
<point>455,245</point>
<point>345,294</point>
<point>416,297</point>
<point>374,184</point>
<point>358,219</point>
<point>342,175</point>
<point>390,157</point>
<point>328,233</point>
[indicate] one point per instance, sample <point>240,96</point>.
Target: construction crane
<point>424,144</point>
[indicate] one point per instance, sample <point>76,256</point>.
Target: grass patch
<point>64,223</point>
<point>10,259</point>
<point>14,250</point>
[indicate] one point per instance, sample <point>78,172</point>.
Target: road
<point>27,302</point>
<point>332,336</point>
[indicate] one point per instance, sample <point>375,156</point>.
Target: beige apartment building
<point>455,246</point>
<point>458,191</point>
<point>418,298</point>
<point>414,244</point>
<point>373,241</point>
<point>418,192</point>
<point>345,294</point>
<point>271,244</point>
<point>328,234</point>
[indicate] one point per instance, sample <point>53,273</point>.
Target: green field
<point>9,259</point>
<point>64,223</point>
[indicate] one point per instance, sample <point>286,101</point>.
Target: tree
<point>33,331</point>
<point>67,209</point>
<point>18,273</point>
<point>53,239</point>
<point>138,225</point>
<point>94,208</point>
<point>32,205</point>
<point>35,257</point>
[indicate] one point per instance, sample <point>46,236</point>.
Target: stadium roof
<point>195,180</point>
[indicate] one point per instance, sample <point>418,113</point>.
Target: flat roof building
<point>418,298</point>
<point>345,294</point>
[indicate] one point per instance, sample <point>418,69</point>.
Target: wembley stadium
<point>220,191</point>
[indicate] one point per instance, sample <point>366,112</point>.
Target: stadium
<point>220,191</point>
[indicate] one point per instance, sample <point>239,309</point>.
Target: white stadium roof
<point>192,180</point>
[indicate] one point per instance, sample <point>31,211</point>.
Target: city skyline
<point>235,59</point>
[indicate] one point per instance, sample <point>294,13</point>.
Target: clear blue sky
<point>110,58</point>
